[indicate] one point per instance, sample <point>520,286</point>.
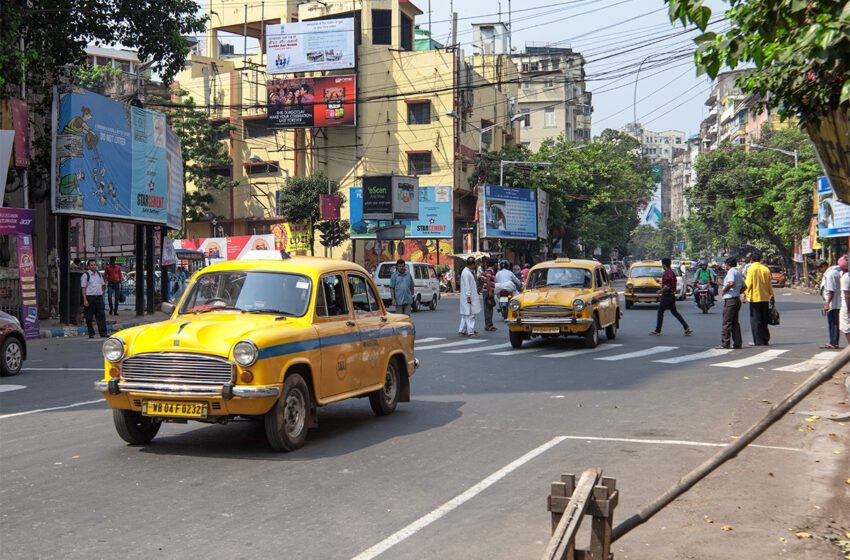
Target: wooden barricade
<point>569,502</point>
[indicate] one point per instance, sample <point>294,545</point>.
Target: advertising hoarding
<point>175,189</point>
<point>310,46</point>
<point>542,214</point>
<point>390,197</point>
<point>509,213</point>
<point>311,102</point>
<point>833,215</point>
<point>19,223</point>
<point>435,215</point>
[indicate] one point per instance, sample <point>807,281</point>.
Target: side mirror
<point>167,307</point>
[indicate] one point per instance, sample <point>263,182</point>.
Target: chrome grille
<point>545,313</point>
<point>534,309</point>
<point>185,369</point>
<point>646,290</point>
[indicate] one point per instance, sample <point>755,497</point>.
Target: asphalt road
<point>462,471</point>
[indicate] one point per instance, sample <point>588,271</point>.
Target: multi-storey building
<point>660,148</point>
<point>682,178</point>
<point>552,99</point>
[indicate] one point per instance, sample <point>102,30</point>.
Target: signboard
<point>390,197</point>
<point>542,214</point>
<point>168,257</point>
<point>310,46</point>
<point>510,213</point>
<point>19,222</point>
<point>330,205</point>
<point>112,160</point>
<point>311,102</point>
<point>175,189</point>
<point>435,215</point>
<point>807,246</point>
<point>292,238</point>
<point>833,216</point>
<point>832,143</point>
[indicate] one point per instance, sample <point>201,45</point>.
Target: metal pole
<point>140,267</point>
<point>149,268</point>
<point>634,101</point>
<point>245,38</point>
<point>502,173</point>
<point>26,178</point>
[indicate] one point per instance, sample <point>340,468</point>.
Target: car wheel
<point>287,422</point>
<point>384,400</point>
<point>611,330</point>
<point>417,303</point>
<point>134,428</point>
<point>434,303</point>
<point>591,336</point>
<point>13,356</point>
<point>516,339</point>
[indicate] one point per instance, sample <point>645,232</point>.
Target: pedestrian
<point>112,272</point>
<point>524,272</point>
<point>401,288</point>
<point>91,286</point>
<point>668,300</point>
<point>488,294</point>
<point>470,304</point>
<point>832,301</point>
<point>759,293</point>
<point>730,334</point>
<point>844,317</point>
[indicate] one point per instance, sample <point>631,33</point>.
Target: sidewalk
<point>126,318</point>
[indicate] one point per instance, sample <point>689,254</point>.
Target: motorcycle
<point>504,299</point>
<point>704,296</point>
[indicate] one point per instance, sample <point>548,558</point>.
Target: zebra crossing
<point>609,352</point>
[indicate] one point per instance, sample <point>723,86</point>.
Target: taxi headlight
<point>113,349</point>
<point>629,286</point>
<point>245,353</point>
<point>578,305</point>
<point>514,305</point>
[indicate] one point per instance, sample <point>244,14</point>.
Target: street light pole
<point>793,152</point>
<point>634,99</point>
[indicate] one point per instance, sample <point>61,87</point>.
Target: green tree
<point>300,199</point>
<point>655,242</point>
<point>94,77</point>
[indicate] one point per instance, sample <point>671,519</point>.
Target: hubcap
<point>13,357</point>
<point>389,386</point>
<point>294,413</point>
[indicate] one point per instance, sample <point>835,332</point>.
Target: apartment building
<point>657,146</point>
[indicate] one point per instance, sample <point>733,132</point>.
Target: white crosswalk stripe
<point>426,340</point>
<point>580,351</point>
<point>707,355</point>
<point>517,352</point>
<point>477,348</point>
<point>451,344</point>
<point>815,362</point>
<point>761,358</point>
<point>639,353</point>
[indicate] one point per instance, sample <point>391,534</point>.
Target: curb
<point>64,332</point>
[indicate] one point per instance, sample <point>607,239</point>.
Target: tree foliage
<point>800,50</point>
<point>94,77</point>
<point>300,199</point>
<point>651,242</point>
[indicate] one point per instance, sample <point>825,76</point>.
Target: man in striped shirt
<point>488,294</point>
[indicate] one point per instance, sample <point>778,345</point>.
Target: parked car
<point>777,276</point>
<point>426,284</point>
<point>643,283</point>
<point>565,297</point>
<point>13,345</point>
<point>267,339</point>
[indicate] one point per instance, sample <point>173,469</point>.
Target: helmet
<point>504,265</point>
<point>703,262</point>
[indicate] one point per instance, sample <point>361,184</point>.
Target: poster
<point>435,215</point>
<point>175,189</point>
<point>29,303</point>
<point>311,102</point>
<point>411,250</point>
<point>292,238</point>
<point>310,46</point>
<point>542,214</point>
<point>833,215</point>
<point>168,255</point>
<point>509,213</point>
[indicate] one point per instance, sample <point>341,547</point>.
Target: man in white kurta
<point>470,303</point>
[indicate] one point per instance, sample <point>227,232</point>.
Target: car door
<point>339,338</point>
<point>433,283</point>
<point>605,303</point>
<point>372,324</point>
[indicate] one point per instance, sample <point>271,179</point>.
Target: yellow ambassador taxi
<point>643,283</point>
<point>270,339</point>
<point>565,297</point>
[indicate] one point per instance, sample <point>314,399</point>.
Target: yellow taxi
<point>262,338</point>
<point>643,283</point>
<point>565,297</point>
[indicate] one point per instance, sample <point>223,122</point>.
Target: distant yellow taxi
<point>565,297</point>
<point>263,338</point>
<point>643,283</point>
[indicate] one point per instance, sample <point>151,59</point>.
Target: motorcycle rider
<point>705,274</point>
<point>506,279</point>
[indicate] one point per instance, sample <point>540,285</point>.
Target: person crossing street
<point>488,294</point>
<point>668,300</point>
<point>734,284</point>
<point>759,293</point>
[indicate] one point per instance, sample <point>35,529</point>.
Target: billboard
<point>175,190</point>
<point>390,197</point>
<point>435,215</point>
<point>112,161</point>
<point>833,215</point>
<point>310,46</point>
<point>650,211</point>
<point>311,102</point>
<point>542,214</point>
<point>510,213</point>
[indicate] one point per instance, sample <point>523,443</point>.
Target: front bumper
<point>643,298</point>
<point>226,391</point>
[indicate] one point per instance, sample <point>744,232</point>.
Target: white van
<point>426,285</point>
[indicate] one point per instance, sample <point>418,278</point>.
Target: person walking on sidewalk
<point>488,294</point>
<point>91,286</point>
<point>832,301</point>
<point>730,334</point>
<point>668,300</point>
<point>113,279</point>
<point>401,288</point>
<point>844,315</point>
<point>759,293</point>
<point>470,303</point>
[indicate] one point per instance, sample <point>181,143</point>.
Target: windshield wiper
<point>271,312</point>
<point>219,308</point>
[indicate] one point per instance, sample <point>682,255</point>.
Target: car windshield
<point>561,277</point>
<point>775,269</point>
<point>249,291</point>
<point>386,270</point>
<point>646,272</point>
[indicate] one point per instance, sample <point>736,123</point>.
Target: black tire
<point>516,339</point>
<point>288,421</point>
<point>703,304</point>
<point>504,312</point>
<point>12,354</point>
<point>417,304</point>
<point>134,428</point>
<point>385,400</point>
<point>611,330</point>
<point>433,305</point>
<point>591,336</point>
<point>629,304</point>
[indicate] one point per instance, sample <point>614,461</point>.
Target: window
<point>432,274</point>
<point>123,65</point>
<point>526,84</point>
<point>330,301</point>
<point>549,83</point>
<point>419,113</point>
<point>544,65</point>
<point>382,27</point>
<point>360,295</point>
<point>678,140</point>
<point>524,67</point>
<point>556,64</point>
<point>406,33</point>
<point>419,272</point>
<point>419,164</point>
<point>549,117</point>
<point>533,67</point>
<point>600,281</point>
<point>253,129</point>
<point>525,121</point>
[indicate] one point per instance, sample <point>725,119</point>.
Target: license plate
<point>546,330</point>
<point>175,409</point>
<point>503,300</point>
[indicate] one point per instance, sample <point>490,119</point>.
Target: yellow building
<point>424,113</point>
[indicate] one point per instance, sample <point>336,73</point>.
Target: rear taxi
<point>565,297</point>
<point>268,339</point>
<point>643,283</point>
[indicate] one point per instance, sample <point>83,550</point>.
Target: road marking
<point>752,360</point>
<point>517,352</point>
<point>451,344</point>
<point>477,349</point>
<point>455,502</point>
<point>639,353</point>
<point>678,442</point>
<point>2,416</point>
<point>61,369</point>
<point>7,388</point>
<point>708,354</point>
<point>581,351</point>
<point>815,362</point>
<point>432,339</point>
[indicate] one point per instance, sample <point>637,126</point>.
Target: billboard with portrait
<point>509,213</point>
<point>435,215</point>
<point>833,215</point>
<point>311,102</point>
<point>310,46</point>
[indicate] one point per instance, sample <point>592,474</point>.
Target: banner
<point>26,272</point>
<point>310,46</point>
<point>509,213</point>
<point>16,221</point>
<point>542,214</point>
<point>7,140</point>
<point>435,215</point>
<point>20,122</point>
<point>330,206</point>
<point>833,215</point>
<point>168,255</point>
<point>175,188</point>
<point>292,238</point>
<point>311,102</point>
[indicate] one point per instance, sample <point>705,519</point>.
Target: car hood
<point>552,296</point>
<point>645,281</point>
